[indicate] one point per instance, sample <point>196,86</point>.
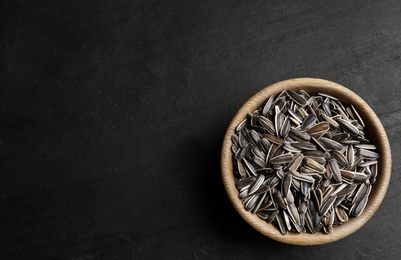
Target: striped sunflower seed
<point>303,163</point>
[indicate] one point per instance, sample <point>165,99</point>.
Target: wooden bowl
<point>374,132</point>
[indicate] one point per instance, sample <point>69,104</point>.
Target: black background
<point>113,115</point>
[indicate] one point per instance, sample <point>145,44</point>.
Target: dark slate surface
<point>113,114</point>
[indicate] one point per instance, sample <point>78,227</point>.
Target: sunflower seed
<point>249,167</point>
<point>285,127</point>
<point>330,144</point>
<point>281,159</point>
<point>259,203</point>
<point>309,121</point>
<point>335,170</point>
<point>256,184</point>
<point>264,145</point>
<point>356,209</point>
<point>263,214</point>
<point>274,139</point>
<point>300,100</point>
<point>330,120</point>
<point>268,106</point>
<point>278,199</point>
<point>299,135</point>
<point>253,135</point>
<point>373,170</point>
<point>368,154</point>
<point>241,126</point>
<point>303,162</point>
<point>285,184</point>
<point>357,116</point>
<point>289,197</point>
<point>340,158</point>
<point>327,205</point>
<point>295,115</point>
<point>314,165</point>
<point>259,163</point>
<point>287,221</point>
<point>281,224</point>
<point>244,182</point>
<point>279,120</point>
<point>272,216</point>
<point>267,124</point>
<point>347,126</point>
<point>318,129</point>
<point>302,177</point>
<point>367,163</point>
<point>366,146</point>
<point>295,163</point>
<point>293,212</point>
<point>304,146</point>
<point>339,137</point>
<point>250,204</point>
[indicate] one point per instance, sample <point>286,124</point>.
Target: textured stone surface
<point>113,115</point>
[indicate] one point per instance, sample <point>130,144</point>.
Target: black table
<point>113,115</point>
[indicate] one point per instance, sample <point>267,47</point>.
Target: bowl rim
<point>379,189</point>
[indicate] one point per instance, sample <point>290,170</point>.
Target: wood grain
<point>374,131</point>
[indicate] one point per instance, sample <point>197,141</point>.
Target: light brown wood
<point>374,131</point>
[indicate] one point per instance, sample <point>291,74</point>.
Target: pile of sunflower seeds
<point>302,162</point>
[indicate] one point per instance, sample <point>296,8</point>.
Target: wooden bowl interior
<point>374,131</point>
